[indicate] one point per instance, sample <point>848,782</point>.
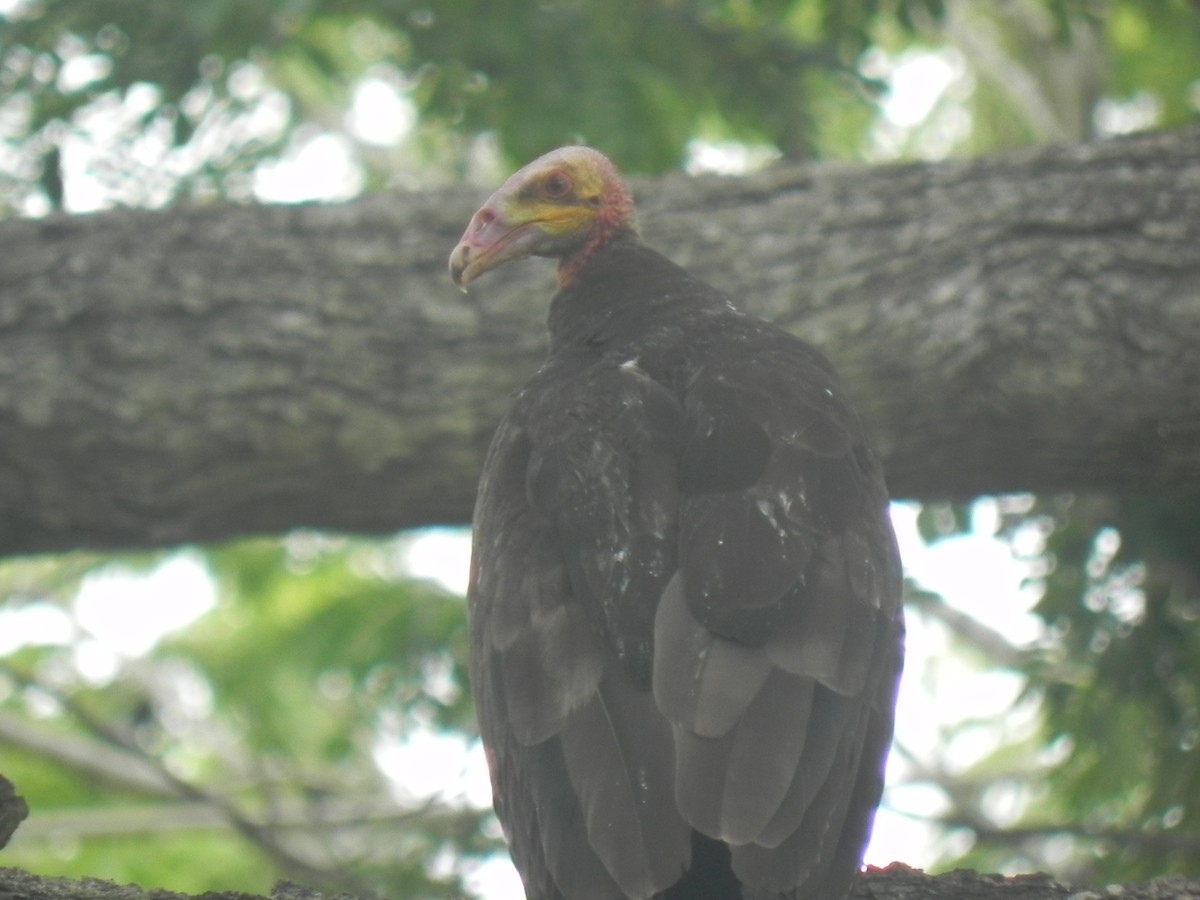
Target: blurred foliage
<point>1133,645</point>
<point>259,730</point>
<point>197,98</point>
<point>264,717</point>
<point>1108,780</point>
<point>535,74</point>
<point>1155,48</point>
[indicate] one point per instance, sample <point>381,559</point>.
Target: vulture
<point>684,599</point>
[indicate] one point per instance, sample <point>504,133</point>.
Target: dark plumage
<point>685,593</point>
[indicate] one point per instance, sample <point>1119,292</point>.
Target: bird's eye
<point>556,186</point>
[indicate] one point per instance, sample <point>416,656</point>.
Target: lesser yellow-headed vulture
<point>685,589</point>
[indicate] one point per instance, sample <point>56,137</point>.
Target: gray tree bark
<point>1027,321</point>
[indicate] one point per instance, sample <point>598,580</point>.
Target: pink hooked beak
<point>489,241</point>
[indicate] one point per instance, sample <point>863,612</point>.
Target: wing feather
<point>549,800</point>
<point>620,759</point>
<point>781,630</point>
<point>829,632</point>
<point>605,473</point>
<point>550,671</point>
<point>804,854</point>
<point>702,683</point>
<point>730,787</point>
<point>831,717</point>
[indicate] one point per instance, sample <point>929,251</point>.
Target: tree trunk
<point>1028,321</point>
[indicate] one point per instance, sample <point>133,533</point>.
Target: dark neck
<point>624,289</point>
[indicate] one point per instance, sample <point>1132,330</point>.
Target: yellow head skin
<point>564,204</point>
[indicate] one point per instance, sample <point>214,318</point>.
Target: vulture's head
<point>565,205</point>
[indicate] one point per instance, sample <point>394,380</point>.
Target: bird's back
<point>685,603</point>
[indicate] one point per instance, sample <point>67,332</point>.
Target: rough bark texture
<point>893,883</point>
<point>1025,321</point>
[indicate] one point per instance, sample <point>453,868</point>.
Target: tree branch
<point>294,816</point>
<point>1025,321</point>
<point>93,758</point>
<point>893,883</point>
